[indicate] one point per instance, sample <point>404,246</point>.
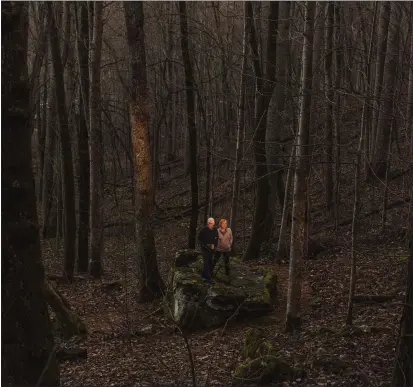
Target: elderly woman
<point>224,244</point>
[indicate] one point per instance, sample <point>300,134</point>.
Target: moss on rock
<point>195,304</point>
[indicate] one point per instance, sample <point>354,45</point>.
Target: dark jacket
<point>208,237</point>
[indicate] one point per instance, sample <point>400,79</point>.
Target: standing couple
<point>214,243</point>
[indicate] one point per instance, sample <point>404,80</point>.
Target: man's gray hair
<point>210,220</point>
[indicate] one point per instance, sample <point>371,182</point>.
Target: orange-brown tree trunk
<point>150,285</point>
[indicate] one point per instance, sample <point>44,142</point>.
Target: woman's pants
<point>226,259</point>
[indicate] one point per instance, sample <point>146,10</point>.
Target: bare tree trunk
<point>261,226</point>
<point>68,189</point>
<point>366,113</point>
<point>240,135</point>
<point>190,107</point>
<point>388,93</point>
<point>354,230</point>
<point>282,250</point>
<point>298,226</point>
<point>384,20</point>
<point>82,43</point>
<point>409,109</point>
<point>150,285</point>
<point>403,366</point>
<point>337,111</point>
<point>96,157</point>
<point>329,93</point>
<point>28,356</point>
<point>276,109</point>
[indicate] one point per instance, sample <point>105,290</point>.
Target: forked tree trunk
<point>190,107</point>
<point>68,189</point>
<point>298,226</point>
<point>28,356</point>
<point>95,151</point>
<point>150,284</point>
<point>82,45</point>
<point>240,135</point>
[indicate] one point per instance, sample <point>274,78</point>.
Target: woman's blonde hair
<point>222,221</point>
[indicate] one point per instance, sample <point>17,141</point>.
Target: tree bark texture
<point>150,284</point>
<point>298,226</point>
<point>27,343</point>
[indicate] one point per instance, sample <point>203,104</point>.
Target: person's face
<point>211,224</point>
<point>224,225</point>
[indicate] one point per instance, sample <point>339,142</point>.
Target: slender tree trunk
<point>388,94</point>
<point>95,152</point>
<point>384,20</point>
<point>150,285</point>
<point>354,230</point>
<point>403,366</point>
<point>282,250</point>
<point>192,133</point>
<point>337,112</point>
<point>68,190</point>
<point>82,45</point>
<point>329,93</point>
<point>409,109</point>
<point>240,135</point>
<point>298,226</point>
<point>28,356</point>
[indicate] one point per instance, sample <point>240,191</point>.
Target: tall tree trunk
<point>151,285</point>
<point>388,94</point>
<point>65,146</point>
<point>381,59</point>
<point>366,112</point>
<point>28,356</point>
<point>95,151</point>
<point>276,108</point>
<point>262,222</point>
<point>329,93</point>
<point>298,226</point>
<point>240,133</point>
<point>338,50</point>
<point>82,43</point>
<point>354,230</point>
<point>409,109</point>
<point>190,107</point>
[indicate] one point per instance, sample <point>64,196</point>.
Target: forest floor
<point>132,344</point>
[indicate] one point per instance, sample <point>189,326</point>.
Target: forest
<point>130,126</point>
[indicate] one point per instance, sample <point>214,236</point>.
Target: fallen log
<point>71,323</point>
<point>376,211</point>
<point>374,298</point>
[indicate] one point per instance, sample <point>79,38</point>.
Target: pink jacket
<point>225,240</point>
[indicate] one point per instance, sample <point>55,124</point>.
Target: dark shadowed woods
<point>126,125</point>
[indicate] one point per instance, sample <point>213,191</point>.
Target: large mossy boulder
<point>195,304</point>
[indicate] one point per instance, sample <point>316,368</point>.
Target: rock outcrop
<point>194,304</point>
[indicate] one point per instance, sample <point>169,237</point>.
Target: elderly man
<point>208,239</point>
